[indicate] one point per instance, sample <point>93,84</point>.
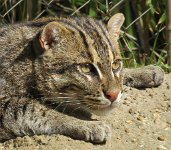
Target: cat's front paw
<point>98,133</point>
<point>144,77</point>
<point>95,132</point>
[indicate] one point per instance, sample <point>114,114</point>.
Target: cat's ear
<point>51,35</point>
<point>114,24</point>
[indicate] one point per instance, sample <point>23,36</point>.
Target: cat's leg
<point>143,77</point>
<point>23,117</point>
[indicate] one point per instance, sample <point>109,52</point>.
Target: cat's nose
<point>112,95</point>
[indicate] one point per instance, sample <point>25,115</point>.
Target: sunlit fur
<point>82,41</point>
<point>60,46</point>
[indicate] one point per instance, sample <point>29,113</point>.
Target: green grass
<point>143,37</point>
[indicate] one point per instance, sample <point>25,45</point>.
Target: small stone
<point>150,94</point>
<point>133,140</point>
<point>126,130</point>
<point>140,118</point>
<point>134,98</point>
<point>130,111</point>
<point>129,121</point>
<point>161,138</point>
<point>126,102</point>
<point>167,86</point>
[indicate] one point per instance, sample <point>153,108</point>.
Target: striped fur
<point>59,63</point>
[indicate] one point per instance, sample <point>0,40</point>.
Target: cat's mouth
<point>101,104</point>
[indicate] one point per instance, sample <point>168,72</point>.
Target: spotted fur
<point>59,62</point>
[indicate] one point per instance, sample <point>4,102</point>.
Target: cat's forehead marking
<point>97,36</point>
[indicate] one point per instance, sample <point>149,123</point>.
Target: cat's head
<point>81,63</point>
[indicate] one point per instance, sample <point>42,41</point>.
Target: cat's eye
<point>116,65</point>
<point>87,68</point>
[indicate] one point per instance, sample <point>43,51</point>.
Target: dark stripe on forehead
<point>85,25</point>
<point>77,29</point>
<point>100,35</point>
<point>104,33</point>
<point>93,33</point>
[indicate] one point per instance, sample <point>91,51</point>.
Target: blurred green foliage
<point>143,38</point>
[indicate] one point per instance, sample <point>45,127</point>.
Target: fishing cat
<point>63,62</point>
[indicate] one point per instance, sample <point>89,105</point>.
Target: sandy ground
<point>141,122</point>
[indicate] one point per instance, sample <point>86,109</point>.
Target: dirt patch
<point>141,122</point>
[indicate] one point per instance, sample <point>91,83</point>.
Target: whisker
<point>70,100</point>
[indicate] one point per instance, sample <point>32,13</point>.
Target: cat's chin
<point>104,111</point>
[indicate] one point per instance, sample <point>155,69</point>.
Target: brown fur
<point>58,63</point>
